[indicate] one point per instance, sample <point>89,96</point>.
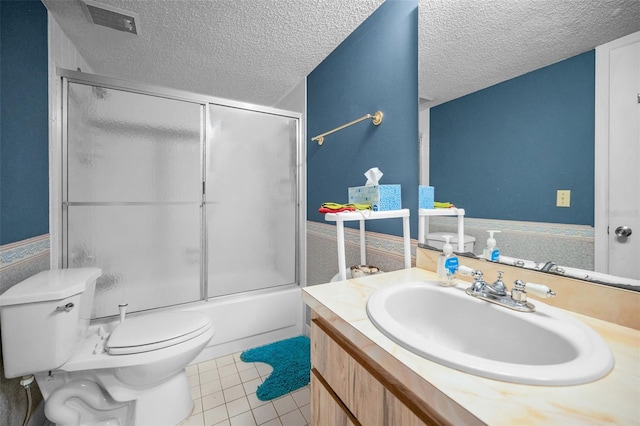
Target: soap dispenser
<point>491,252</point>
<point>447,264</point>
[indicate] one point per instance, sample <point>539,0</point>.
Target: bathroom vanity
<point>359,376</point>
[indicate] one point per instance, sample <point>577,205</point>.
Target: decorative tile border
<point>573,244</point>
<point>389,244</point>
<point>550,229</point>
<point>20,251</point>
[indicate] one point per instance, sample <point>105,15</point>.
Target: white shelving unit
<point>362,216</point>
<point>423,214</point>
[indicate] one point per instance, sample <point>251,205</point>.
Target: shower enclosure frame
<point>59,178</point>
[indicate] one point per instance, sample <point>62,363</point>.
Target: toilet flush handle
<point>66,308</point>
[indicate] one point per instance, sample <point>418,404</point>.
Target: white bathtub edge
<point>248,320</point>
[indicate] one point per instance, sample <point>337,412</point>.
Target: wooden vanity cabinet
<point>327,408</point>
<point>359,390</point>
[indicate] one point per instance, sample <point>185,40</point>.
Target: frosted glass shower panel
<point>149,255</point>
<point>132,147</point>
<point>251,199</point>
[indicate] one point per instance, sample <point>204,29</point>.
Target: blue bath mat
<point>291,362</point>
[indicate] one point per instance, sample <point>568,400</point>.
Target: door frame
<point>601,163</point>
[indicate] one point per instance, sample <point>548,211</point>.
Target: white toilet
<point>128,373</point>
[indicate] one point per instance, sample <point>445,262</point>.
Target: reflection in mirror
<point>553,268</point>
<point>582,274</point>
<point>503,153</point>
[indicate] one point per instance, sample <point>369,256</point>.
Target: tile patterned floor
<point>224,394</point>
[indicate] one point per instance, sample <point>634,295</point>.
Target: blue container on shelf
<point>381,197</point>
<point>426,197</point>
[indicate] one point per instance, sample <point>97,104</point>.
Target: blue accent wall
<point>24,135</point>
<point>503,152</point>
<point>375,68</point>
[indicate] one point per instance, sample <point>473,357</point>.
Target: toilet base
<point>166,404</point>
<point>76,398</point>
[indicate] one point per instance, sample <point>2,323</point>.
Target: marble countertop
<point>614,399</point>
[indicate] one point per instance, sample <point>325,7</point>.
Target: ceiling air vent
<point>111,17</point>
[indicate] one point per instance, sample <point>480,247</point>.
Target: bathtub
<point>251,319</point>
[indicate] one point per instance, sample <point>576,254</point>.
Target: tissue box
<point>381,197</point>
<point>425,197</point>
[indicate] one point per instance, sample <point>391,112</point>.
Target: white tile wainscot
<point>447,396</point>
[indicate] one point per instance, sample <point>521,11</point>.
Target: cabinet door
<point>396,413</point>
<point>326,408</point>
<point>362,394</point>
<point>366,397</point>
<point>331,361</point>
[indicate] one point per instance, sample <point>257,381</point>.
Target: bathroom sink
<point>445,325</point>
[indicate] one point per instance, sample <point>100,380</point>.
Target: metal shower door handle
<point>623,231</point>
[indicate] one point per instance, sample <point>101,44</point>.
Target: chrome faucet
<point>552,267</point>
<point>548,266</point>
<point>498,294</point>
<point>479,283</point>
<point>481,286</point>
<point>498,288</point>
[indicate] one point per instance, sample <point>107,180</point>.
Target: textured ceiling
<point>467,45</point>
<point>247,50</point>
<point>258,50</point>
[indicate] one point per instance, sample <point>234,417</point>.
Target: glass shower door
<point>251,200</point>
<point>133,194</point>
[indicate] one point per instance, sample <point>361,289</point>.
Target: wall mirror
<point>461,52</point>
<point>614,252</point>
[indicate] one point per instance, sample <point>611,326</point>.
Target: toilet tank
<point>44,319</point>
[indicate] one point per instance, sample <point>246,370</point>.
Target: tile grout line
<point>240,377</point>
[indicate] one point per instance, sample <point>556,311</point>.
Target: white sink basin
<point>445,325</point>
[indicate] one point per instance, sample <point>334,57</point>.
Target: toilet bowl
<point>129,373</point>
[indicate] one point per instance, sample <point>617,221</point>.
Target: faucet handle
<point>539,290</point>
<point>465,270</point>
<point>518,292</point>
<point>498,286</point>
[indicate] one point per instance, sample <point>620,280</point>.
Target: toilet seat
<point>155,331</point>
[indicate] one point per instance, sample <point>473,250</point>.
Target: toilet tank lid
<point>54,284</point>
